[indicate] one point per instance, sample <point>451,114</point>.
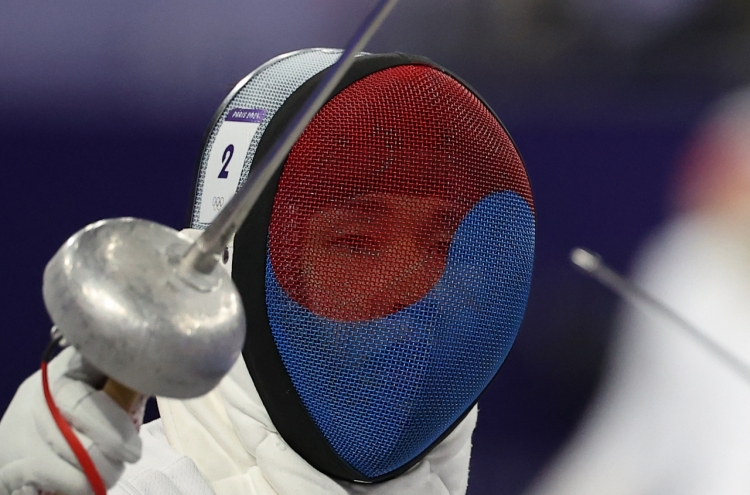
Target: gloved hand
<point>34,455</point>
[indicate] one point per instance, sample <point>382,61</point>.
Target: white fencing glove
<point>34,455</point>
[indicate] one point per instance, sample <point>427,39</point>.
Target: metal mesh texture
<point>400,255</point>
<point>267,88</point>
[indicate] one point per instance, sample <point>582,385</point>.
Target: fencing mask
<point>385,269</point>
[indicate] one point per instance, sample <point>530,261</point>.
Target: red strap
<point>89,469</point>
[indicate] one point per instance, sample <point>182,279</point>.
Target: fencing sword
<point>152,309</point>
<point>592,265</point>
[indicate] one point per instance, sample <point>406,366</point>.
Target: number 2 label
<point>225,160</point>
<point>223,169</point>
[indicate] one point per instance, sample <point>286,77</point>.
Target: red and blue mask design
<point>399,260</point>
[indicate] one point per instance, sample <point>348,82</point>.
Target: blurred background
<point>103,106</point>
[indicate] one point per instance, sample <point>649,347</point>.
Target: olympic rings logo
<point>217,202</point>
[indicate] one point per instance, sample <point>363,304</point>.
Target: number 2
<point>225,160</point>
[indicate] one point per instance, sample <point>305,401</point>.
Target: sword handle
<point>127,398</point>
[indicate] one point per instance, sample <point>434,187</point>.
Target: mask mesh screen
<point>400,255</point>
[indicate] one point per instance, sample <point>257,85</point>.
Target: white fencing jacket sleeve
<point>225,443</point>
<point>672,418</point>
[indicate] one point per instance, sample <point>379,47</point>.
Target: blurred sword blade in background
<point>592,265</point>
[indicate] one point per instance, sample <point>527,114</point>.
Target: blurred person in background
<point>671,417</point>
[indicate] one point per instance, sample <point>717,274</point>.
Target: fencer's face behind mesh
<point>393,258</point>
<point>373,255</point>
